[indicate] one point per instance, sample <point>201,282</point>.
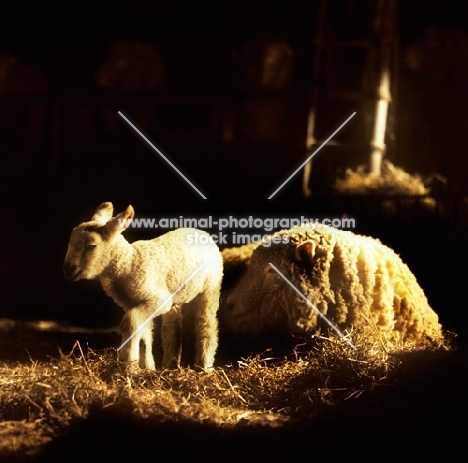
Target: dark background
<point>59,160</point>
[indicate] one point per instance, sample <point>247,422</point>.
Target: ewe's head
<point>257,293</point>
<point>89,249</point>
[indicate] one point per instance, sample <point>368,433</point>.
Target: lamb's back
<point>175,259</point>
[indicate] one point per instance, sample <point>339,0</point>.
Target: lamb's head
<point>91,243</point>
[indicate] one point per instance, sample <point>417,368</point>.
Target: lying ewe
<point>146,276</point>
<point>355,281</point>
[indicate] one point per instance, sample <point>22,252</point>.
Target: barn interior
<point>349,109</point>
<point>237,98</point>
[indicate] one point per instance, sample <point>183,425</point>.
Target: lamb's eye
<point>90,247</point>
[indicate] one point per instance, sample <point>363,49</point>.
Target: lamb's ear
<point>305,252</point>
<point>119,223</point>
<point>103,213</point>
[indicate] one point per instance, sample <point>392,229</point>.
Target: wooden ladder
<point>354,66</point>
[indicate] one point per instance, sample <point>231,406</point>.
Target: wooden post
<point>313,97</point>
<point>386,10</point>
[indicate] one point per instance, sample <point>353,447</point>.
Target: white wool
<point>176,268</point>
<point>355,281</point>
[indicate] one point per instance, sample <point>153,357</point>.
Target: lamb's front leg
<point>127,349</point>
<point>171,333</point>
<point>136,326</point>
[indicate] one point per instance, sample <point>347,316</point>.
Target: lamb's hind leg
<point>206,322</point>
<point>171,343</point>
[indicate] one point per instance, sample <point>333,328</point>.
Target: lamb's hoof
<point>206,369</point>
<point>172,364</point>
<point>150,366</point>
<point>133,367</point>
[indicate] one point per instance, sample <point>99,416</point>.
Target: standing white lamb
<point>355,281</point>
<point>148,276</point>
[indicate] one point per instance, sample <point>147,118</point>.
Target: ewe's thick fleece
<point>238,256</point>
<point>355,281</point>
